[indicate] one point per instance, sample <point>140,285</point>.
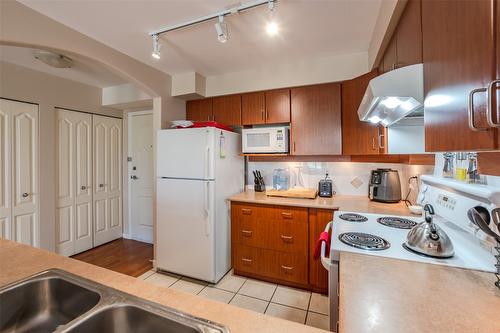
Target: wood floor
<point>122,255</point>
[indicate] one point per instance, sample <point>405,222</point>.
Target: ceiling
<point>309,29</point>
<point>83,70</point>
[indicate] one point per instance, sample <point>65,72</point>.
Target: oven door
<point>333,284</point>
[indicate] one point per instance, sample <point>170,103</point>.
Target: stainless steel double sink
<point>58,301</point>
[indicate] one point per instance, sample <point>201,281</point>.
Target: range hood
<point>393,96</point>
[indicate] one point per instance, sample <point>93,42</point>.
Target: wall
<point>49,91</point>
<point>289,74</point>
<point>348,178</point>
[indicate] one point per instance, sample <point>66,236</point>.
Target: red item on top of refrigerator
<point>215,124</point>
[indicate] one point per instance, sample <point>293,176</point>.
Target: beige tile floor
<point>274,300</point>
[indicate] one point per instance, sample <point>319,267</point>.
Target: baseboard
<point>126,236</point>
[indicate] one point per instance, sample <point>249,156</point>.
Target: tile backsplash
<point>348,178</point>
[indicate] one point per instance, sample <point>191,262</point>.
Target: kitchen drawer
<point>250,225</point>
<point>255,261</point>
<point>292,267</point>
<point>291,233</point>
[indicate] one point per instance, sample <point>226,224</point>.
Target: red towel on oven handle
<point>324,237</point>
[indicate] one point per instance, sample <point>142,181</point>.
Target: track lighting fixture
<point>221,29</point>
<point>220,26</point>
<point>271,27</point>
<point>156,47</point>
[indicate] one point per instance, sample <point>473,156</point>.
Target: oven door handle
<point>325,261</point>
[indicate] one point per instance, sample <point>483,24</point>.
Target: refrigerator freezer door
<point>185,228</point>
<point>186,153</point>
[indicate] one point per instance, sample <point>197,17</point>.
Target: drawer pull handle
<point>287,268</point>
<point>246,233</point>
<point>288,239</point>
<point>246,260</point>
<point>246,211</point>
<point>286,215</point>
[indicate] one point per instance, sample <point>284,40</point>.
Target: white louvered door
<point>74,188</point>
<point>19,198</point>
<point>107,185</point>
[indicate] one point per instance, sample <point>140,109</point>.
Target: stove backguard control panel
<point>446,201</point>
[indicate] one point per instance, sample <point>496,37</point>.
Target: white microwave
<point>265,140</point>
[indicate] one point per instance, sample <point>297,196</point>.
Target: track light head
<point>270,5</point>
<point>221,29</point>
<point>156,47</point>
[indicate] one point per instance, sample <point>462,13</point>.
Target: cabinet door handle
<point>246,211</point>
<point>470,109</point>
<point>294,147</point>
<point>246,260</point>
<point>287,239</point>
<point>286,215</point>
<point>380,140</point>
<point>25,195</point>
<point>262,115</point>
<point>489,109</point>
<point>288,269</point>
<point>246,233</point>
<point>267,115</point>
<point>373,143</point>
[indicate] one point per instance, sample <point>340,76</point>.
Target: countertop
<point>388,295</point>
<point>19,261</point>
<point>352,203</point>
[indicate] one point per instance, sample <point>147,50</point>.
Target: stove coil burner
<point>396,222</point>
<point>364,241</point>
<point>351,217</point>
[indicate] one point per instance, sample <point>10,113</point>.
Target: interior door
<point>74,193</point>
<point>107,180</point>
<point>185,227</point>
<point>20,130</point>
<point>141,176</point>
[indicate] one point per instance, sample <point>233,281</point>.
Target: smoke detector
<point>54,59</point>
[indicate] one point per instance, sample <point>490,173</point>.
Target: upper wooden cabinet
<point>278,106</point>
<point>358,137</point>
<point>405,47</point>
<point>316,127</point>
<point>199,110</point>
<point>253,108</point>
<point>269,107</point>
<point>459,56</point>
<point>227,110</point>
<point>409,35</point>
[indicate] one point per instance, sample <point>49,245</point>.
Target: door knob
<point>101,185</point>
<point>134,177</point>
<point>83,188</point>
<point>25,195</point>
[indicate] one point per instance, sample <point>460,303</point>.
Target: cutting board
<point>304,193</point>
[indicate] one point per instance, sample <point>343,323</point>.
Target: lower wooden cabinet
<point>276,243</point>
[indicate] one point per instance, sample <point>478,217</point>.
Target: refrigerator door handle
<point>207,208</point>
<point>207,162</point>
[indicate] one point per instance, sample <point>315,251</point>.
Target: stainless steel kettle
<point>428,239</point>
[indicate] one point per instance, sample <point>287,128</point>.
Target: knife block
<point>259,187</point>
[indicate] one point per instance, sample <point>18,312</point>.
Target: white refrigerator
<point>197,170</point>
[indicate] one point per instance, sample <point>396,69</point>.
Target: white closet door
<point>107,184</point>
<point>74,193</point>
<point>5,166</point>
<point>22,136</point>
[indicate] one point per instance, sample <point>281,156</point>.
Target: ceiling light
<point>272,27</point>
<point>54,59</point>
<point>375,119</point>
<point>391,102</point>
<point>221,29</point>
<point>156,47</point>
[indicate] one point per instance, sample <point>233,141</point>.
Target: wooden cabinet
<point>358,137</point>
<point>273,243</point>
<point>390,58</point>
<point>227,110</point>
<point>266,107</point>
<point>405,47</point>
<point>316,127</point>
<point>278,106</point>
<point>253,108</point>
<point>318,275</point>
<point>199,110</point>
<point>459,56</point>
<point>409,35</point>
